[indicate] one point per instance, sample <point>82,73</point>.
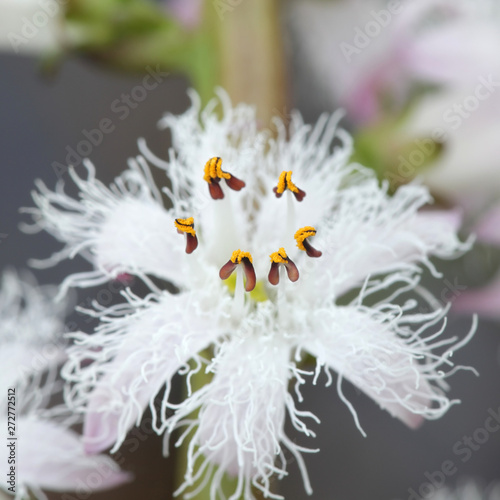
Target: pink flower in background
<point>49,455</point>
<point>188,12</point>
<point>364,52</point>
<point>374,60</point>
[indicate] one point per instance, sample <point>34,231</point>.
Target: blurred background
<point>420,85</point>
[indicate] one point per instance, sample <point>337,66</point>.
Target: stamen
<point>301,237</point>
<point>284,183</point>
<point>281,258</point>
<point>239,257</point>
<point>214,174</point>
<point>186,226</point>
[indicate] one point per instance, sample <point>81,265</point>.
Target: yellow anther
<point>245,259</point>
<point>302,234</point>
<point>301,238</point>
<point>279,257</point>
<point>238,256</point>
<point>185,226</point>
<point>213,170</point>
<point>280,189</point>
<point>284,183</point>
<point>289,184</point>
<point>214,174</point>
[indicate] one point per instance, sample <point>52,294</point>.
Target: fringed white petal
<point>241,419</point>
<point>396,359</point>
<point>372,233</point>
<point>139,238</point>
<point>120,229</point>
<point>118,371</point>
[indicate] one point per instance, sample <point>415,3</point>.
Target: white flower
<point>30,26</point>
<point>351,236</point>
<point>30,329</point>
<point>47,454</point>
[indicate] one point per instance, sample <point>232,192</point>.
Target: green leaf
<point>393,157</point>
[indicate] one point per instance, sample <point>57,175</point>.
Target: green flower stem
<point>252,58</point>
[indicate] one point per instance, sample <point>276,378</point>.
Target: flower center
<point>245,279</point>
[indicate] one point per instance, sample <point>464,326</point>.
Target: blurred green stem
<point>252,58</point>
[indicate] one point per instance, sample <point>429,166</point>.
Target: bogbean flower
<point>46,453</point>
<point>262,238</point>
